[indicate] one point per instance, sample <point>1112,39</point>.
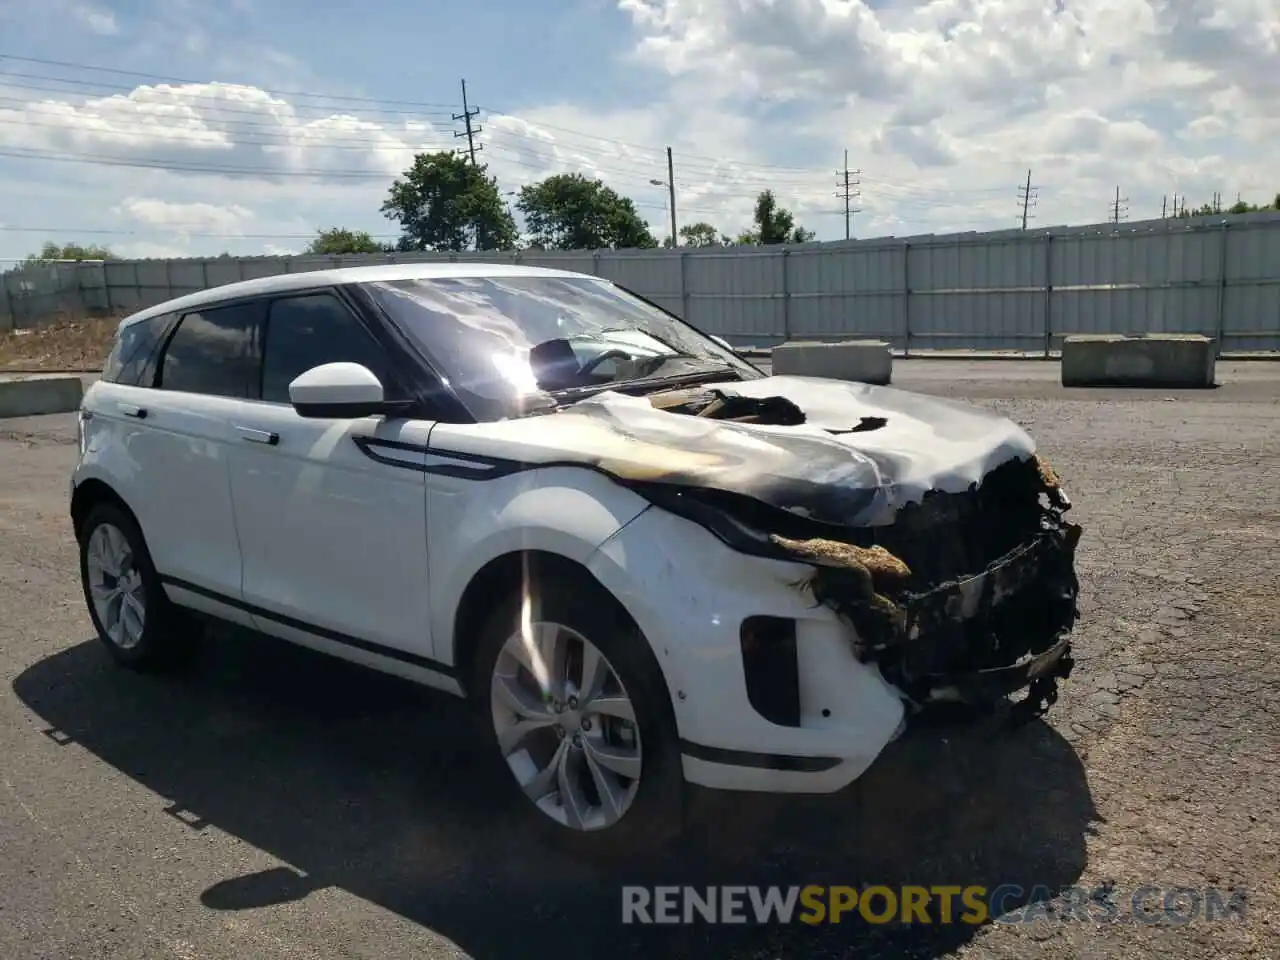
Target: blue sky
<point>942,105</point>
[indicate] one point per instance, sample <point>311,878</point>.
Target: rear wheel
<point>134,618</point>
<point>573,702</point>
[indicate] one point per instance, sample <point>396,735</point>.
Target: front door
<point>332,531</point>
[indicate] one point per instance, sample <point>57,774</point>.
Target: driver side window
<point>309,330</point>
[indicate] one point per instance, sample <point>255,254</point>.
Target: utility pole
<point>1115,209</point>
<point>471,132</point>
<point>1164,209</point>
<point>671,193</point>
<point>848,192</point>
<point>1027,196</point>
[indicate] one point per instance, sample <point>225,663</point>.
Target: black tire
<point>168,633</point>
<point>578,601</point>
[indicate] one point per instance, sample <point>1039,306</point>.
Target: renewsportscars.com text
<point>1006,904</point>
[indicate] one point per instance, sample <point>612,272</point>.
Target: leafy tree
<point>1240,206</point>
<point>342,240</point>
<point>73,251</point>
<point>773,224</point>
<point>443,202</point>
<point>569,212</point>
<point>702,234</point>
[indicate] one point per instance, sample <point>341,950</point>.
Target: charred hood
<point>835,453</point>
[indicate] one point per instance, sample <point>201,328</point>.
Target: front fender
<point>566,511</point>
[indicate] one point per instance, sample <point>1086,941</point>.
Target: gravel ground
<point>276,805</point>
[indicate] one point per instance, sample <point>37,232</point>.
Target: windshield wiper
<point>602,335</point>
<point>714,371</point>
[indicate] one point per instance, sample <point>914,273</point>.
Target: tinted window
<point>304,332</point>
<point>500,339</point>
<point>209,352</point>
<point>133,356</point>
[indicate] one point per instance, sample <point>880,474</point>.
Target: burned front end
<point>964,598</point>
<point>931,528</point>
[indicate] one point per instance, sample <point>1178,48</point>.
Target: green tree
<point>342,240</point>
<point>72,251</point>
<point>702,234</point>
<point>445,202</point>
<point>1240,206</point>
<point>569,212</point>
<point>773,224</point>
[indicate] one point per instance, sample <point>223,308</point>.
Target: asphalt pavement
<point>274,804</point>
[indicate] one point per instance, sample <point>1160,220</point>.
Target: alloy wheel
<point>565,725</point>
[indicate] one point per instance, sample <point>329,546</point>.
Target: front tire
<point>134,619</point>
<point>573,705</point>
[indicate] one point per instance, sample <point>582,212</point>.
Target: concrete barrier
<point>867,361</point>
<point>40,395</point>
<point>1153,360</point>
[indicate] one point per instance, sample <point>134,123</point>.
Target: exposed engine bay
<point>959,595</point>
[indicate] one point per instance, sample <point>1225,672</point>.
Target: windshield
<point>502,342</point>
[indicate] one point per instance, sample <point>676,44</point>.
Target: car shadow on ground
<point>369,784</point>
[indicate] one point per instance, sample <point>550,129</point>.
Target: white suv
<point>647,562</point>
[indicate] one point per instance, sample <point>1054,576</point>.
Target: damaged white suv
<point>647,563</point>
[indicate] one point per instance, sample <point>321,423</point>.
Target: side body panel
<point>166,455</point>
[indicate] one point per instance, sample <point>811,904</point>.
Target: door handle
<point>133,410</point>
<point>254,435</point>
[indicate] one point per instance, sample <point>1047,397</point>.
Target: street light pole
<point>670,184</point>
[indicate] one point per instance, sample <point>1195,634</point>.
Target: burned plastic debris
<point>967,597</point>
<point>722,405</point>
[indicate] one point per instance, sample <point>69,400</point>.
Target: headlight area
<point>965,598</point>
<point>763,683</point>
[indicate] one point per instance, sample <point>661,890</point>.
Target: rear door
<point>203,377</point>
<point>331,512</point>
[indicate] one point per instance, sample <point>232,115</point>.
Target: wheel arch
<point>91,492</point>
<point>497,579</point>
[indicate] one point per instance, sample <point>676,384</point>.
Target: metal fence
<point>1012,290</point>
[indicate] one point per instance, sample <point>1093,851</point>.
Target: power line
<point>174,228</point>
<point>168,79</point>
<point>23,153</point>
<point>346,99</point>
<point>124,91</point>
<point>847,192</point>
<point>713,167</point>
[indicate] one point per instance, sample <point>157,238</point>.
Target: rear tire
<point>140,627</point>
<point>558,746</point>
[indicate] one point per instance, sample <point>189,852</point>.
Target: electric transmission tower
<point>848,192</point>
<point>1027,198</point>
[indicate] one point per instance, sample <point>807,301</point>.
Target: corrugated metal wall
<point>1012,290</point>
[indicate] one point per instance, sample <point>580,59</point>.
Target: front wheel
<point>574,703</point>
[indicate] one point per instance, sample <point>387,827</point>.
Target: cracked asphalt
<point>273,804</point>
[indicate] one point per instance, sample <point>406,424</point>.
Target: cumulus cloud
<point>183,217</point>
<point>943,106</point>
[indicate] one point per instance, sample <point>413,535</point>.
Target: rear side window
<point>210,352</point>
<point>132,360</point>
<point>307,331</point>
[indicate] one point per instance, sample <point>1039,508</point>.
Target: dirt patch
<point>65,345</point>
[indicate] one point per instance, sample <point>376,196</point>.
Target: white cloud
<point>97,20</point>
<point>184,217</point>
<point>943,105</point>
